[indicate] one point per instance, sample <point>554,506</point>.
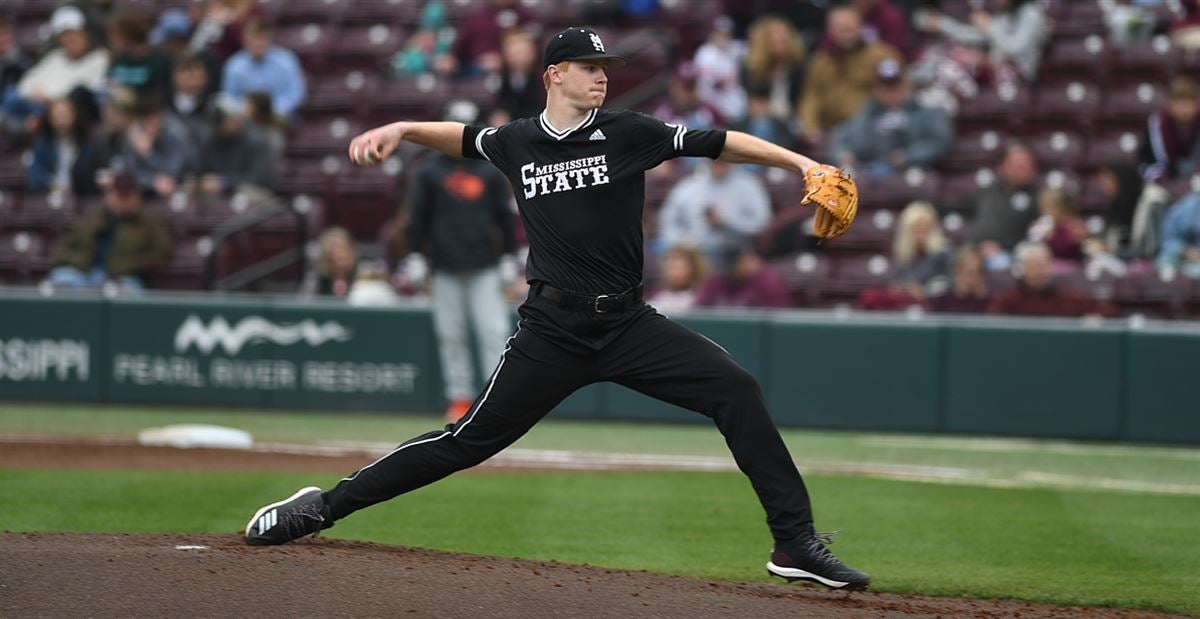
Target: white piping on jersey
<point>544,121</point>
<point>462,424</point>
<point>677,141</point>
<point>479,141</point>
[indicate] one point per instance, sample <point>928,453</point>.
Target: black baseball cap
<point>578,43</point>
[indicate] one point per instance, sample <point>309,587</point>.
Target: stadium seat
<point>182,214</point>
<point>480,90</point>
<point>368,45</point>
<point>12,170</point>
<point>1154,60</point>
<point>9,207</point>
<point>1131,103</point>
<point>342,91</point>
<point>1106,148</point>
<point>1080,19</point>
<point>993,108</point>
<point>32,37</point>
<point>896,191</point>
<point>808,275</point>
<point>957,188</point>
<point>974,150</point>
<point>855,274</point>
<point>23,253</point>
<point>48,211</point>
<point>1057,149</point>
<point>306,11</point>
<point>186,269</point>
<point>420,97</point>
<point>1084,58</point>
<point>35,10</point>
<point>872,233</point>
<point>312,42</point>
<point>1057,104</point>
<point>403,12</point>
<point>312,176</point>
<point>324,135</point>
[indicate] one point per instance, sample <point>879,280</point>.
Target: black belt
<point>601,304</point>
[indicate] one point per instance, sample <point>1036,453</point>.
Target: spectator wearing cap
<point>172,32</point>
<point>135,64</point>
<point>718,66</point>
<point>62,150</point>
<point>118,242</point>
<point>461,223</point>
<point>235,155</point>
<point>716,207</point>
<point>840,75</point>
<point>266,67</point>
<point>892,131</point>
<point>744,280</point>
<point>156,147</point>
<point>1036,293</point>
<point>70,66</point>
<point>774,65</point>
<point>1170,146</point>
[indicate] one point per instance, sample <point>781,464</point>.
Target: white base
<point>196,435</point>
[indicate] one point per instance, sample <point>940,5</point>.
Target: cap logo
<point>596,42</point>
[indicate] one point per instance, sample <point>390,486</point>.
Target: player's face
<point>586,83</point>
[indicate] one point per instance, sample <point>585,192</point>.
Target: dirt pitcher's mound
<point>67,575</point>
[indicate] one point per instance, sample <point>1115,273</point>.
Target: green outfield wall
<point>1116,381</point>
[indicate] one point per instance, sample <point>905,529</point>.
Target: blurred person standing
<point>683,272</point>
<point>135,64</point>
<point>265,67</point>
<point>718,207</point>
<point>892,131</point>
<point>118,243</point>
<point>477,47</point>
<point>744,280</point>
<point>840,74</point>
<point>774,66</point>
<point>460,216</point>
<point>718,61</point>
<point>1170,146</point>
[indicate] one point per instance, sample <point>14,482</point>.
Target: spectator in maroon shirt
<point>1060,227</point>
<point>883,21</point>
<point>1037,294</point>
<point>746,282</point>
<point>477,46</point>
<point>968,293</point>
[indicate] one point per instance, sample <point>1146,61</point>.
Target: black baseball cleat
<point>807,558</point>
<point>301,514</point>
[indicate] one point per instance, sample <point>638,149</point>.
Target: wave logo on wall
<point>253,330</point>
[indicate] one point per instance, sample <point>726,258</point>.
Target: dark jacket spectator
<point>774,65</point>
<point>135,64</point>
<point>190,100</point>
<point>1037,294</point>
<point>117,241</point>
<point>1136,210</point>
<point>460,214</point>
<point>522,94</point>
<point>234,156</point>
<point>62,150</point>
<point>1003,212</point>
<point>747,281</point>
<point>840,74</point>
<point>156,147</point>
<point>892,130</point>
<point>1170,146</point>
<point>264,66</point>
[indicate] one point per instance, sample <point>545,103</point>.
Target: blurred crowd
<point>202,100</point>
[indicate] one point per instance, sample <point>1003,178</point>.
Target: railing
<point>257,212</point>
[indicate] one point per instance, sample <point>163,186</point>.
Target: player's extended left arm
<point>745,148</point>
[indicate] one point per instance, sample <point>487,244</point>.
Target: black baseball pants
<point>557,350</point>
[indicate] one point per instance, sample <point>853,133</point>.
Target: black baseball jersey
<point>581,190</point>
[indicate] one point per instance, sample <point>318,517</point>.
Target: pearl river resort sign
<point>213,352</point>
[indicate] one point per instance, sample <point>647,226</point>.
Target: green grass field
<point>1067,542</point>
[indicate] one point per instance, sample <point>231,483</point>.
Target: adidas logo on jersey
<point>597,135</point>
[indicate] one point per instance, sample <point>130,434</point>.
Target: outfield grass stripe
<point>1014,445</point>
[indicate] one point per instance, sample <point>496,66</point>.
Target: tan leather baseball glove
<point>835,197</point>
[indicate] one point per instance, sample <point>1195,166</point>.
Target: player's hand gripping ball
<point>835,197</point>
